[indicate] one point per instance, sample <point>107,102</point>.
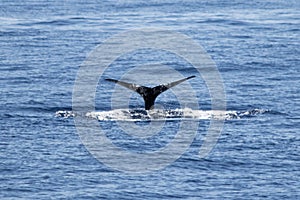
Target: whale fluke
<point>149,94</point>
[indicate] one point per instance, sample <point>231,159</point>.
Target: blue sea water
<point>255,46</point>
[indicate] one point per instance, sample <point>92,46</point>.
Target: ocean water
<point>255,46</point>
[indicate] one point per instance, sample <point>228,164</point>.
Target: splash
<point>158,114</point>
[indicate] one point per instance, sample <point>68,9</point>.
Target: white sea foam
<point>158,114</point>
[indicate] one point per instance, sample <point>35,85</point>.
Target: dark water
<point>255,46</point>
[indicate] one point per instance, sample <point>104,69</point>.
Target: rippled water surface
<point>255,46</point>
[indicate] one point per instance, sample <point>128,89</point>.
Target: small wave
<point>157,114</point>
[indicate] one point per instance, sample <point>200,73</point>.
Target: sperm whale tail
<point>149,94</point>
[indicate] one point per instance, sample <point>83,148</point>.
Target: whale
<point>149,94</point>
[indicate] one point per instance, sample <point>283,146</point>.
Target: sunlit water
<point>256,48</point>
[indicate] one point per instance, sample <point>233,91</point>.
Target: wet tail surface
<point>149,94</point>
